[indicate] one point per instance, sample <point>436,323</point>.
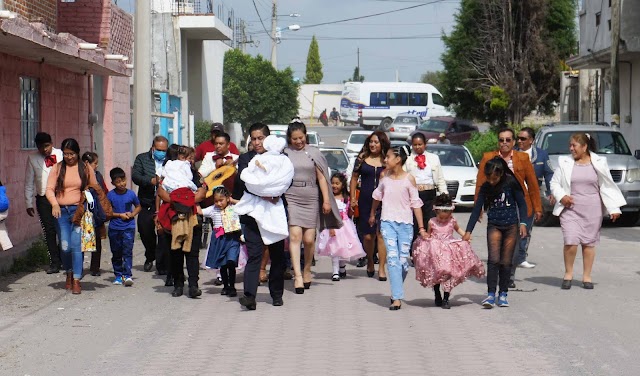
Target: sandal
<point>335,277</point>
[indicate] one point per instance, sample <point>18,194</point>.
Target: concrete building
<point>187,61</point>
<point>315,98</point>
<point>52,81</point>
<point>594,64</point>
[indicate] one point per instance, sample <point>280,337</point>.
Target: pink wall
<point>64,113</point>
<point>117,129</point>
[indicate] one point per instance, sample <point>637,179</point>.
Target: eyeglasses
<point>503,140</point>
<point>523,138</point>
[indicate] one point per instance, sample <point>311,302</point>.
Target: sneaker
<point>117,281</point>
<point>335,277</point>
<point>526,265</point>
<point>490,300</point>
<point>128,281</point>
<point>512,284</point>
<point>218,281</point>
<point>502,300</point>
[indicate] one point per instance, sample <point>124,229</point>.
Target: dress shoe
<point>395,307</point>
<point>177,291</point>
<point>438,298</point>
<point>587,285</point>
<point>75,288</point>
<point>362,261</point>
<point>248,302</point>
<point>343,272</point>
<point>445,304</point>
<point>194,292</point>
<point>231,292</point>
<point>161,272</point>
<point>218,281</point>
<point>566,284</point>
<point>53,269</point>
<point>382,279</point>
<point>307,285</point>
<point>512,284</point>
<point>169,281</point>
<point>225,291</point>
<point>147,266</point>
<point>96,273</point>
<point>370,273</point>
<point>277,302</point>
<point>287,275</point>
<point>69,282</point>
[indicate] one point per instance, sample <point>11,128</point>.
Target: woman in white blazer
<point>585,191</point>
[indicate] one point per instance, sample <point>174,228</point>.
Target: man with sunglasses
<point>522,168</point>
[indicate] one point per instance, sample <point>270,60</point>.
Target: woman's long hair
<point>70,144</point>
<point>295,125</point>
<point>497,165</point>
<point>585,139</point>
<point>385,144</point>
<point>343,180</point>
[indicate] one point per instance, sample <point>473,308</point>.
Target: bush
<point>202,131</point>
<point>37,256</point>
<point>481,143</point>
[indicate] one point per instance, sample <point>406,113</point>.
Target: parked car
<point>403,125</point>
<point>337,159</point>
<point>458,131</point>
<point>354,143</point>
<point>624,167</point>
<point>459,170</point>
<point>313,138</point>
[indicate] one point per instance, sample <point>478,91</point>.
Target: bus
<point>376,104</point>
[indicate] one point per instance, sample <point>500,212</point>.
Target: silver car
<point>624,167</point>
<point>403,125</point>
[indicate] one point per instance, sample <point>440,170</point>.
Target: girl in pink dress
<point>340,244</point>
<point>442,259</point>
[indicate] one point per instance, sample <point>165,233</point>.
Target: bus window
<point>378,99</point>
<point>398,99</point>
<point>438,100</point>
<point>418,99</point>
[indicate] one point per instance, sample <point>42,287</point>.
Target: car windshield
<point>409,120</point>
<point>606,142</point>
<point>449,156</point>
<point>336,159</point>
<point>358,138</point>
<point>437,126</point>
<point>312,139</point>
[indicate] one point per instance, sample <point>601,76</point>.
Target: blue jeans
<point>397,238</point>
<point>121,242</point>
<point>69,234</point>
<point>522,246</point>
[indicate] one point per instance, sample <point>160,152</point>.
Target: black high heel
<point>299,290</point>
<point>394,307</point>
<point>307,285</point>
<point>370,273</point>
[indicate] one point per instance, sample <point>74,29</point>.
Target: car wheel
<point>628,219</point>
<point>548,220</point>
<point>385,124</point>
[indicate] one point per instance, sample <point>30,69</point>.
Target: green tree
<point>253,91</point>
<point>435,78</point>
<point>313,74</point>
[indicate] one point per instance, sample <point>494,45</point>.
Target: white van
<point>376,104</point>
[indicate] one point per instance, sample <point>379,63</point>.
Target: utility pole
<point>359,74</point>
<point>274,25</point>
<point>615,70</point>
<point>142,129</point>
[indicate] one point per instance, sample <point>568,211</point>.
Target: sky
<point>407,42</point>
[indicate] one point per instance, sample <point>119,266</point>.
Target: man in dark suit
<point>522,168</point>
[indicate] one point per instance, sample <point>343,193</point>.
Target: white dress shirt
<point>209,165</point>
<point>37,175</point>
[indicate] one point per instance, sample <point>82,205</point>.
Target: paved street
<point>335,327</point>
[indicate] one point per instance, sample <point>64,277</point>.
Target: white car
<point>403,125</point>
<point>355,142</point>
<point>313,138</point>
<point>459,170</point>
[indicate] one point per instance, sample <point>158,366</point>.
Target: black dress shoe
<point>277,302</point>
<point>53,270</point>
<point>248,302</point>
<point>362,261</point>
<point>225,291</point>
<point>307,285</point>
<point>394,307</point>
<point>287,275</point>
<point>587,285</point>
<point>194,292</point>
<point>96,273</point>
<point>512,284</point>
<point>370,273</point>
<point>445,304</point>
<point>217,282</point>
<point>169,281</point>
<point>231,292</point>
<point>177,291</point>
<point>566,284</point>
<point>299,290</point>
<point>147,266</point>
<point>438,299</point>
<point>382,279</point>
<point>161,272</point>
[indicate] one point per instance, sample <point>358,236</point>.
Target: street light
<point>279,31</point>
<point>292,15</point>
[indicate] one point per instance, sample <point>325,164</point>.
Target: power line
<point>373,15</point>
<point>368,38</point>
<point>264,27</point>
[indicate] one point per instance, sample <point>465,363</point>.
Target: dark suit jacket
<point>542,166</point>
<point>144,169</point>
<point>523,170</point>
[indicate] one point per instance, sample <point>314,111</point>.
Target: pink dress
<point>444,259</point>
<point>345,244</point>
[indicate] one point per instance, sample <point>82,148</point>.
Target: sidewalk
<point>335,327</point>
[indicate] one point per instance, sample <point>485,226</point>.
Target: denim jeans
<point>501,241</point>
<point>520,254</point>
<point>121,242</point>
<point>397,237</point>
<point>69,234</point>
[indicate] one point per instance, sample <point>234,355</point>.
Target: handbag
<point>87,232</point>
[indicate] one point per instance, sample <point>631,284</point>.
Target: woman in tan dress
<point>309,204</point>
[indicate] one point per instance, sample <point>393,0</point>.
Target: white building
<point>314,99</point>
<point>594,64</point>
<point>186,64</point>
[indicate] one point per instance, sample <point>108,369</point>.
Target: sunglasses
<point>503,140</point>
<point>523,138</point>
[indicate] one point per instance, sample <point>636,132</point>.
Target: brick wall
<point>35,11</point>
<point>64,111</point>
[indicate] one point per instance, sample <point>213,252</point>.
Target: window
<point>438,100</point>
<point>29,111</point>
<point>418,99</point>
<point>398,99</point>
<point>598,19</point>
<point>378,99</point>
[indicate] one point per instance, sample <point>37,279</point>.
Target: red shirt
<point>208,147</point>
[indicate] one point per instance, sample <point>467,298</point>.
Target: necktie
<point>421,160</point>
<point>50,160</point>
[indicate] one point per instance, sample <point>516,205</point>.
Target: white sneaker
<point>128,281</point>
<point>526,265</point>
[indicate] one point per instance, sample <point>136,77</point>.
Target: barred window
<point>29,111</point>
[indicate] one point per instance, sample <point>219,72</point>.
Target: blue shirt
<point>122,203</point>
<point>507,208</point>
